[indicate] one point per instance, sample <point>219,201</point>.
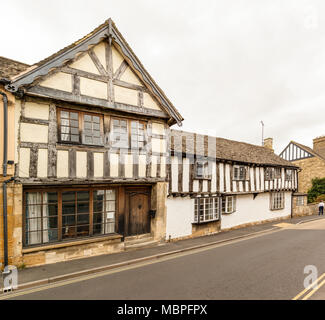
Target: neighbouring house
<point>87,152</point>
<point>311,161</point>
<point>218,184</point>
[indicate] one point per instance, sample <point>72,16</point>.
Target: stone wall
<point>304,209</point>
<point>310,168</point>
<point>14,211</point>
<point>158,203</point>
<point>64,252</point>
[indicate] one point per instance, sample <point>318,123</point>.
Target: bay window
<point>56,215</point>
<point>206,209</point>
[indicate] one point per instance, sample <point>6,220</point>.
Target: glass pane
<point>68,196</point>
<point>110,194</point>
<point>83,196</point>
<point>95,119</point>
<point>74,115</point>
<point>74,123</point>
<point>88,126</point>
<point>68,208</point>
<point>75,138</point>
<point>68,232</point>
<point>64,114</point>
<point>65,122</point>
<point>68,220</point>
<point>98,206</point>
<point>98,195</point>
<point>98,217</point>
<point>82,231</point>
<point>75,131</point>
<point>83,207</point>
<point>83,219</point>
<point>87,118</point>
<point>52,197</point>
<point>88,140</point>
<point>52,209</point>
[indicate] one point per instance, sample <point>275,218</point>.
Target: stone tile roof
<point>9,67</point>
<point>225,149</point>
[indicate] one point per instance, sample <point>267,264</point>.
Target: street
<point>268,266</point>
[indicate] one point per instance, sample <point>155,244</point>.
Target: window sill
<point>79,144</point>
<point>205,222</point>
<point>200,178</point>
<point>226,213</point>
<point>67,243</point>
<point>277,209</point>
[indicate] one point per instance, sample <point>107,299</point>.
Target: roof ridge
<point>215,137</point>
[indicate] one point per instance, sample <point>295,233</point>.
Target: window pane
<point>74,115</point>
<point>64,114</point>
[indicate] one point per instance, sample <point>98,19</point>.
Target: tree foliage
<point>317,191</point>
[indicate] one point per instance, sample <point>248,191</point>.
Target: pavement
<point>35,276</point>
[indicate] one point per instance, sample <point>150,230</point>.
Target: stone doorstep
<point>137,237</point>
<point>131,262</point>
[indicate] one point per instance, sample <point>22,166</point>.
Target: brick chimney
<point>268,143</point>
<point>319,145</point>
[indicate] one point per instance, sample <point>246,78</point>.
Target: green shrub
<point>317,191</point>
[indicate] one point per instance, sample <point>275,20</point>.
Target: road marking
<point>299,295</point>
<point>314,290</point>
<point>130,267</point>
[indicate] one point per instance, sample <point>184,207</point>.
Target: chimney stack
<point>319,145</point>
<point>268,143</point>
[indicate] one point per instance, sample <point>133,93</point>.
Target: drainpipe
<point>4,166</point>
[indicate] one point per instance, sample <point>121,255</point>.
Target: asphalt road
<point>269,266</point>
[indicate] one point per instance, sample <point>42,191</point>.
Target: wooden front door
<point>137,212</point>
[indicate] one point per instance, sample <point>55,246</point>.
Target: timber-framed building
<point>88,131</point>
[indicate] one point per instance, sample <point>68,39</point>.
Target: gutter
<point>4,185</point>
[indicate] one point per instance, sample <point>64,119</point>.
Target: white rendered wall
<point>180,215</point>
<point>249,210</point>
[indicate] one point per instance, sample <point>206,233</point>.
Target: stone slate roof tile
<point>224,149</point>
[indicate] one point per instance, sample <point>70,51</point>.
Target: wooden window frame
<point>267,175</point>
<point>225,199</point>
<point>246,174</point>
<point>59,213</point>
<point>280,205</point>
<point>128,125</point>
<point>289,177</point>
<point>207,176</point>
<point>277,173</point>
<point>81,115</point>
<point>215,205</point>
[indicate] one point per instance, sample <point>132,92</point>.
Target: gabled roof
<point>307,149</point>
<point>9,67</point>
<point>106,30</point>
<point>225,149</point>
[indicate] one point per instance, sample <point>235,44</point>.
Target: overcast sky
<point>225,65</point>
